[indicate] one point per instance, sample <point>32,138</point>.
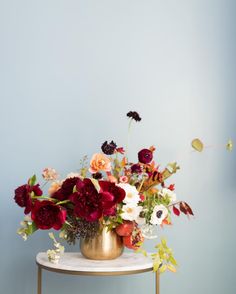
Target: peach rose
<point>99,162</point>
<point>54,187</point>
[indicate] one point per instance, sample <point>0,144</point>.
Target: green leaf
<point>31,228</point>
<point>163,242</point>
<point>171,268</point>
<point>163,268</point>
<point>172,260</point>
<point>32,180</point>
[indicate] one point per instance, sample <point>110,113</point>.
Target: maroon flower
<point>23,196</point>
<point>117,192</point>
<point>66,189</point>
<point>109,148</point>
<point>136,169</point>
<point>87,201</point>
<point>134,115</point>
<point>91,204</point>
<point>145,156</point>
<point>47,215</point>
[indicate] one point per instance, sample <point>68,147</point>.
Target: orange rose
<point>99,162</point>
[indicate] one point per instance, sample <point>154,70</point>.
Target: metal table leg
<point>157,283</point>
<point>39,280</point>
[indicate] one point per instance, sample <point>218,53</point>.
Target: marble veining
<point>72,261</point>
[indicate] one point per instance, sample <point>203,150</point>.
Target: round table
<point>75,264</point>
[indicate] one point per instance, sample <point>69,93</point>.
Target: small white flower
<point>159,213</point>
<point>131,193</point>
<point>50,174</point>
<point>131,212</point>
<point>168,193</point>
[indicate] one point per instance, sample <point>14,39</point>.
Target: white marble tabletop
<point>76,262</point>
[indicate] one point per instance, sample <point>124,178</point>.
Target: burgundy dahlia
<point>136,169</point>
<point>145,156</point>
<point>89,204</point>
<point>66,189</point>
<point>134,115</point>
<point>47,215</point>
<point>87,201</point>
<point>23,196</point>
<point>111,195</point>
<point>109,148</point>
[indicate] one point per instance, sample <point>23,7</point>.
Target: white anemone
<point>131,212</point>
<point>159,213</point>
<point>131,193</point>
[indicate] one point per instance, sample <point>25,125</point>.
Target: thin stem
<point>173,204</point>
<point>140,187</point>
<point>44,197</point>
<point>62,202</point>
<point>128,137</point>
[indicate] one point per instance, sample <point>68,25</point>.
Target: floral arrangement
<point>110,191</point>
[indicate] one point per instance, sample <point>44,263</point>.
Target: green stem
<point>43,197</point>
<point>62,202</point>
<point>127,146</point>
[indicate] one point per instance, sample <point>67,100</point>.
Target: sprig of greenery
<point>163,259</point>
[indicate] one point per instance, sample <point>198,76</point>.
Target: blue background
<point>69,73</point>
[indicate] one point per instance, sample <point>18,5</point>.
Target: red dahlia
<point>66,189</point>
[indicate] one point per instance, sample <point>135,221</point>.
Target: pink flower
<point>50,174</point>
<point>123,179</point>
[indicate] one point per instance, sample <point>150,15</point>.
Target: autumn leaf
<point>176,211</point>
<point>197,145</point>
<point>185,208</point>
<point>229,145</point>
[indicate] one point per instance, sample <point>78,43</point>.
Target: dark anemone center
<point>159,213</point>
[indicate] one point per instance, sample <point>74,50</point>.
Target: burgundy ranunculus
<point>66,189</point>
<point>145,156</point>
<point>47,215</point>
<point>23,197</point>
<point>136,169</point>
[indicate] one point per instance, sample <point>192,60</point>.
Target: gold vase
<point>105,246</point>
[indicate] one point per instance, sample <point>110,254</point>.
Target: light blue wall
<point>69,72</point>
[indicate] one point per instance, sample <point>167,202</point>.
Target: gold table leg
<point>39,280</point>
<point>157,283</point>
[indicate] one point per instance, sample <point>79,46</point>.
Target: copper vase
<point>105,246</point>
